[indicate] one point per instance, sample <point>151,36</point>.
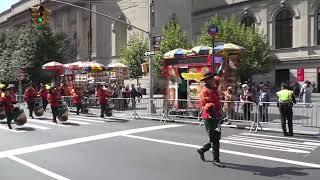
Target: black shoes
<point>201,153</point>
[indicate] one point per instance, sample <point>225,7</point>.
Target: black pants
<point>9,119</point>
<point>103,108</point>
<point>44,104</point>
<point>247,111</point>
<point>31,108</point>
<point>263,113</point>
<point>286,115</point>
<point>55,113</point>
<point>214,136</point>
<point>79,106</point>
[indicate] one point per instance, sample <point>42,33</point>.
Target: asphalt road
<point>94,148</point>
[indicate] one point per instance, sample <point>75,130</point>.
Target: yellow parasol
<point>192,76</point>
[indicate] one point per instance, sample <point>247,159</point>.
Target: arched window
<point>318,27</point>
<point>248,21</point>
<point>284,29</point>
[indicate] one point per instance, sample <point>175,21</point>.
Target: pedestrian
<point>43,93</point>
<point>77,98</point>
<point>54,99</point>
<point>305,93</point>
<point>264,100</point>
<point>102,95</point>
<point>30,96</point>
<point>246,99</point>
<point>286,99</point>
<point>8,102</point>
<point>139,89</point>
<point>228,105</point>
<point>314,89</point>
<point>211,114</point>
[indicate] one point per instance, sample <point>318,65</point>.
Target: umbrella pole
<point>213,64</point>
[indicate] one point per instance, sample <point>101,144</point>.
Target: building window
<point>248,22</point>
<point>318,27</point>
<point>284,29</point>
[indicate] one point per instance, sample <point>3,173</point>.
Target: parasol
<point>93,67</point>
<point>53,66</point>
<point>192,76</point>
<point>117,65</point>
<point>176,53</point>
<point>229,48</point>
<point>201,50</point>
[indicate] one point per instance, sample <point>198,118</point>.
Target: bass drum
<point>19,117</point>
<point>63,112</point>
<point>2,112</point>
<point>38,107</point>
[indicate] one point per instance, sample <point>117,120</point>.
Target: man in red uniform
<point>54,100</point>
<point>102,94</point>
<point>43,93</point>
<point>12,92</point>
<point>30,96</point>
<point>212,115</point>
<point>76,99</point>
<point>8,102</point>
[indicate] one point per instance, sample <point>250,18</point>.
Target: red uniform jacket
<point>209,103</point>
<point>7,104</point>
<point>44,94</point>
<point>102,94</point>
<point>13,97</point>
<point>53,99</point>
<point>30,94</point>
<point>76,98</point>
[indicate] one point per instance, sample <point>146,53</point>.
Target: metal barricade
<point>304,114</point>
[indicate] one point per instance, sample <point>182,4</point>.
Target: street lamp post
<point>213,31</point>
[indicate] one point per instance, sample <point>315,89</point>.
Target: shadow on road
<point>25,129</point>
<point>70,124</point>
<point>269,171</point>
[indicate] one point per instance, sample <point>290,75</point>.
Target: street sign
<point>213,30</point>
<point>149,53</point>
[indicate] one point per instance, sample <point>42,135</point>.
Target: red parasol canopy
<point>53,66</point>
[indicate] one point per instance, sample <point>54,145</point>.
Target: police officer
<point>286,99</point>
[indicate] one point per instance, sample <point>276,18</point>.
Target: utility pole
<point>150,10</point>
<point>90,32</point>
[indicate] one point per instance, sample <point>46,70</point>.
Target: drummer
<point>43,93</point>
<point>54,100</point>
<point>12,92</point>
<point>102,95</point>
<point>8,106</point>
<point>30,96</point>
<point>76,99</point>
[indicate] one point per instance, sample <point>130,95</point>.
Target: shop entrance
<point>282,76</point>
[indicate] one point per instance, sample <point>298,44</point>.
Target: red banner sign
<point>300,74</point>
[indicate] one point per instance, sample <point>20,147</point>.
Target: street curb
<point>308,133</point>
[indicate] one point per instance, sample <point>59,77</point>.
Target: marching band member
<point>76,98</point>
<point>8,102</point>
<point>43,93</point>
<point>30,96</point>
<point>54,99</point>
<point>102,94</point>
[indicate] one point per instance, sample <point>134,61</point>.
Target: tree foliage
<point>174,37</point>
<point>29,48</point>
<point>256,58</point>
<point>133,55</point>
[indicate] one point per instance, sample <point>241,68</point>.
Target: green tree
<point>133,55</point>
<point>256,58</point>
<point>174,37</point>
<point>29,48</point>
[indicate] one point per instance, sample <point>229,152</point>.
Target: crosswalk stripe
<point>271,142</point>
<point>46,122</point>
<point>77,122</point>
<point>281,137</point>
<point>91,117</point>
<point>88,120</point>
<point>35,126</point>
<point>11,130</point>
<point>258,142</point>
<point>263,146</point>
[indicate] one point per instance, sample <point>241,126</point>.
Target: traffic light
<point>40,16</point>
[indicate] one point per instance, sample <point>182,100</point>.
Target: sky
<point>6,4</point>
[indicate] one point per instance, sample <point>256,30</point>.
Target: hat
<point>245,86</point>
<point>208,75</point>
<point>11,86</point>
<point>2,86</point>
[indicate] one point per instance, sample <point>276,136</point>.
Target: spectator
<point>228,105</point>
<point>133,95</point>
<point>305,92</point>
<point>263,103</point>
<point>246,99</point>
<point>314,89</point>
<point>139,89</point>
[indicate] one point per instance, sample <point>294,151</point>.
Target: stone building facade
<point>292,28</point>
